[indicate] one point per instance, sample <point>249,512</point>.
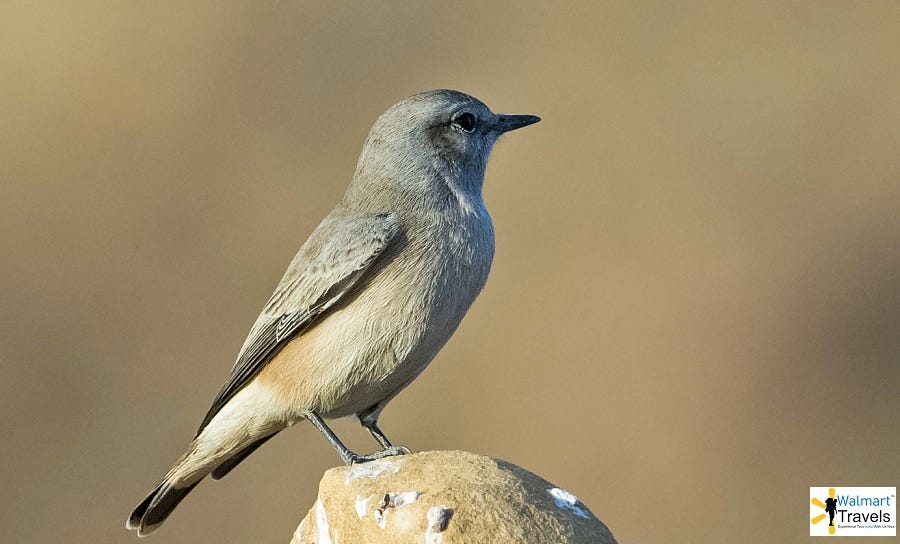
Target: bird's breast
<point>449,264</point>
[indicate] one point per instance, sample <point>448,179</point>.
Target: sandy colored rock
<point>445,497</point>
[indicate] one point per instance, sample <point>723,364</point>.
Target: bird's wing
<point>342,253</point>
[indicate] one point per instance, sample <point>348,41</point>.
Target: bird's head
<point>440,134</point>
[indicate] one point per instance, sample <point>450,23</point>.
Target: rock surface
<point>445,497</point>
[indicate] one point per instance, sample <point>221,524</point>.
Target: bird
<point>369,299</point>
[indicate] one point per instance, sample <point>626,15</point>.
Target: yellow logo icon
<point>830,506</point>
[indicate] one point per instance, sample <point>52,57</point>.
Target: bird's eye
<point>465,121</point>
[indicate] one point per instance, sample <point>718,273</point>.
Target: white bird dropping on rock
<point>564,499</point>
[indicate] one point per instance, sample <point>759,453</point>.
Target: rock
<point>445,497</point>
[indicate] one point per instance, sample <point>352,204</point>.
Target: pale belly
<point>366,352</point>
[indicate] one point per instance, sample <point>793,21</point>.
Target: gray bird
<point>368,301</point>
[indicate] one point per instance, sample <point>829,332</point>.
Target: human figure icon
<point>830,507</point>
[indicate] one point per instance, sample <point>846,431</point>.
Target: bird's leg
<point>378,435</point>
<point>369,420</point>
<point>348,456</point>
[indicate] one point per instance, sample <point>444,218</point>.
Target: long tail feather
<point>154,509</point>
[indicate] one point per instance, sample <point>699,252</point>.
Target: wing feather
<point>340,254</point>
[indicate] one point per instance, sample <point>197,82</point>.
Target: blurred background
<point>694,311</point>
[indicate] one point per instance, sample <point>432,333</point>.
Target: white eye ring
<point>466,121</point>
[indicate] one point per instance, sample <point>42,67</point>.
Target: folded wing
<point>343,252</point>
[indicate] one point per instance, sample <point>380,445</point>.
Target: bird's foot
<point>354,459</point>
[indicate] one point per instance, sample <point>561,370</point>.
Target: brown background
<point>694,312</point>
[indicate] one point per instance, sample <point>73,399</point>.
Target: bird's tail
<point>236,431</point>
<point>203,457</point>
<point>180,480</point>
<point>154,509</point>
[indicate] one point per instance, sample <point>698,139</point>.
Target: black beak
<point>505,122</point>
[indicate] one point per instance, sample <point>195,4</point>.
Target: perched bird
<point>368,301</point>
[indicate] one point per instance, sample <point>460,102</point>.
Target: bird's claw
<point>354,459</point>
